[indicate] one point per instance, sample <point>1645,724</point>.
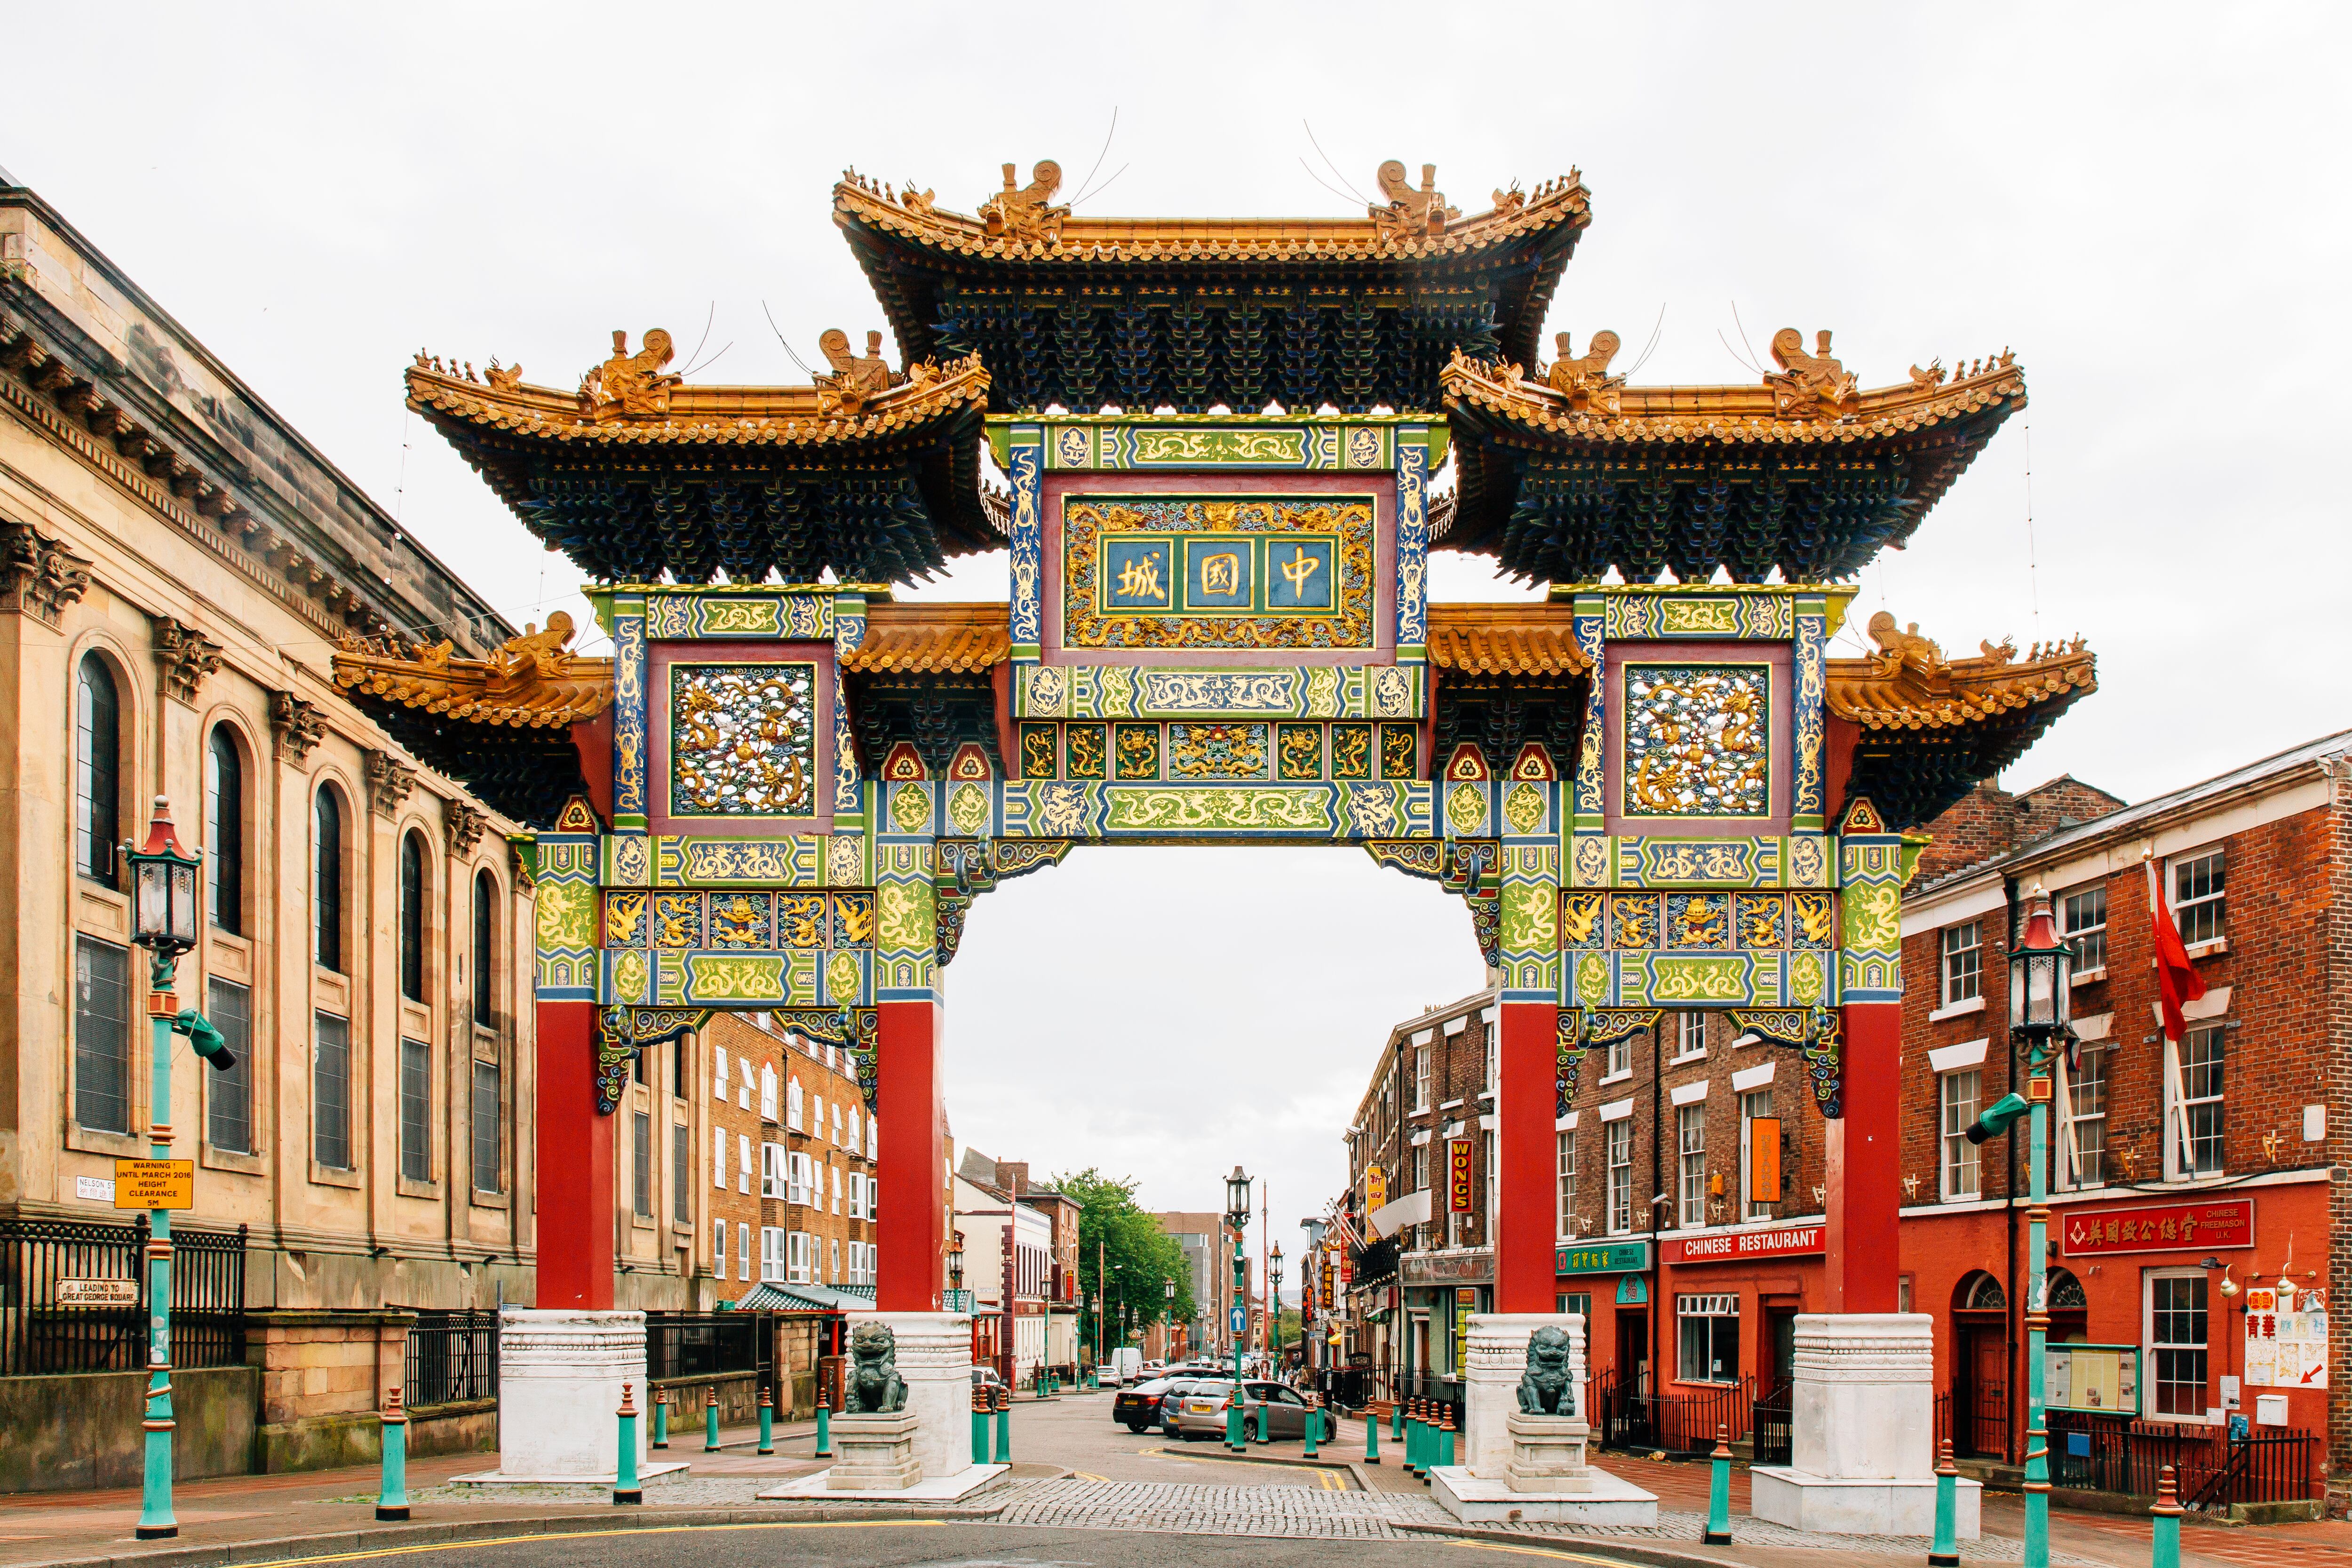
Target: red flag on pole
<point>2176,977</point>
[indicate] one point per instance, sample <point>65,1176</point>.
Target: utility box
<point>2270,1409</point>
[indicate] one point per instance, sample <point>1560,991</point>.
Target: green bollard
<point>1945,1551</point>
<point>710,1424</point>
<point>767,1424</point>
<point>1718,1493</point>
<point>2167,1532</point>
<point>1446,1439</point>
<point>1005,1427</point>
<point>1396,1420</point>
<point>661,1420</point>
<point>1413,1455</point>
<point>824,1430</point>
<point>392,1500</point>
<point>1314,1423</point>
<point>1262,1415</point>
<point>979,1427</point>
<point>1371,1437</point>
<point>626,1490</point>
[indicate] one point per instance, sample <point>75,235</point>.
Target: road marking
<point>596,1534</point>
<point>1090,1476</point>
<point>1540,1551</point>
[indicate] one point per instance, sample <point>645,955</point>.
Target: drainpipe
<point>2018,1371</point>
<point>1657,1270</point>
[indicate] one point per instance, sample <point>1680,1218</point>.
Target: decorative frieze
<point>43,576</point>
<point>300,726</point>
<point>467,824</point>
<point>183,656</point>
<point>389,782</point>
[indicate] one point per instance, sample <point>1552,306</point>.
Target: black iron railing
<point>1627,1416</point>
<point>706,1344</point>
<point>1775,1415</point>
<point>46,1265</point>
<point>452,1356</point>
<point>2123,1454</point>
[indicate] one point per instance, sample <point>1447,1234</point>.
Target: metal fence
<point>2119,1453</point>
<point>1775,1415</point>
<point>40,1335</point>
<point>1627,1416</point>
<point>452,1356</point>
<point>704,1344</point>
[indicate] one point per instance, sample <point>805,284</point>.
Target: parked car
<point>1200,1413</point>
<point>1139,1407</point>
<point>1106,1375</point>
<point>1129,1363</point>
<point>986,1377</point>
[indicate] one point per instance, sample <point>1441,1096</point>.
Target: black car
<point>1138,1408</point>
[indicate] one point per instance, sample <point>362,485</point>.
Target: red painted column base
<point>1866,1171</point>
<point>1527,1098</point>
<point>912,1250</point>
<point>574,1164</point>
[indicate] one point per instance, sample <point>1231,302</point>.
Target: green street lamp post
<point>1237,1213</point>
<point>1273,1309</point>
<point>163,907</point>
<point>2041,978</point>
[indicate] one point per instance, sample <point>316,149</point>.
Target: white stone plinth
<point>934,1358</point>
<point>876,1453</point>
<point>1825,1507</point>
<point>1547,1454</point>
<point>1862,1459</point>
<point>1476,1500</point>
<point>1493,1363</point>
<point>559,1378</point>
<point>952,1488</point>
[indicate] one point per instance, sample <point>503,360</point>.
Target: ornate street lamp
<point>1273,1309</point>
<point>1237,1213</point>
<point>164,918</point>
<point>2041,1003</point>
<point>955,1265</point>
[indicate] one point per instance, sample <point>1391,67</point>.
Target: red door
<point>1982,1422</point>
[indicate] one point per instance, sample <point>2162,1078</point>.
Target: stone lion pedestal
<point>1524,1431</point>
<point>1862,1459</point>
<point>559,1378</point>
<point>919,1449</point>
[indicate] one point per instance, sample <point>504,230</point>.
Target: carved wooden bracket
<point>518,867</point>
<point>465,826</point>
<point>389,782</point>
<point>300,725</point>
<point>183,656</point>
<point>43,576</point>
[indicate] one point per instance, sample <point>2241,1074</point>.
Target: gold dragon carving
<point>1408,214</point>
<point>1027,212</point>
<point>631,385</point>
<point>1584,380</point>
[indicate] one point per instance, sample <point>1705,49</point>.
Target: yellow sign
<point>154,1183</point>
<point>1376,1189</point>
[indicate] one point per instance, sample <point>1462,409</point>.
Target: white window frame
<point>2074,1122</point>
<point>836,1123</point>
<point>719,1249</point>
<point>1712,1307</point>
<point>1690,1157</point>
<point>2149,1347</point>
<point>767,1092</point>
<point>1564,1162</point>
<point>771,1253</point>
<point>1958,1161</point>
<point>747,1086</point>
<point>1959,964</point>
<point>1620,1059</point>
<point>2207,911</point>
<point>771,1170</point>
<point>1753,1103</point>
<point>1690,1036</point>
<point>719,1157</point>
<point>743,1163</point>
<point>719,1073</point>
<point>2086,937</point>
<point>837,1187</point>
<point>743,1249</point>
<point>1421,1077</point>
<point>835,1250</point>
<point>792,1102</point>
<point>2182,1105</point>
<point>1616,1139</point>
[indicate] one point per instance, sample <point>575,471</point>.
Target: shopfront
<point>1729,1302</point>
<point>1443,1290</point>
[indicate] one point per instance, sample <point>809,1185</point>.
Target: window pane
<point>2085,917</point>
<point>102,1036</point>
<point>1691,1140</point>
<point>681,1171</point>
<point>2177,1331</point>
<point>2200,1083</point>
<point>2197,898</point>
<point>326,883</point>
<point>330,1093</point>
<point>228,1096</point>
<point>1963,962</point>
<point>2086,1110</point>
<point>225,829</point>
<point>98,777</point>
<point>641,1164</point>
<point>1962,1092</point>
<point>416,1111</point>
<point>411,917</point>
<point>486,1128</point>
<point>485,891</point>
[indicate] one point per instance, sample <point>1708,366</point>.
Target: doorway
<point>1980,1343</point>
<point>1633,1353</point>
<point>1776,1356</point>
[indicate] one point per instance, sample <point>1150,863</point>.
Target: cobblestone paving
<point>1676,1526</point>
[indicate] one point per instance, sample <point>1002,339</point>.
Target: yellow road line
<point>1090,1476</point>
<point>1541,1552</point>
<point>594,1534</point>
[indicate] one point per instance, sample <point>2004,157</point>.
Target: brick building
<point>1019,1245</point>
<point>1431,1261</point>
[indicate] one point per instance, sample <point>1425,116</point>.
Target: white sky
<point>2127,195</point>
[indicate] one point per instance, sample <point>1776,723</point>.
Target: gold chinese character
<point>1221,574</point>
<point>1298,570</point>
<point>2114,1231</point>
<point>1139,579</point>
<point>2171,1231</point>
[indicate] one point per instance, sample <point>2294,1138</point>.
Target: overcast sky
<point>2135,198</point>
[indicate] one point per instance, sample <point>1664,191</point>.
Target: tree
<point>1115,1236</point>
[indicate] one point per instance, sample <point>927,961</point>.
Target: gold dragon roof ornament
<point>527,683</point>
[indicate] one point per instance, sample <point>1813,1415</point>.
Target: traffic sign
<point>1238,1322</point>
<point>154,1183</point>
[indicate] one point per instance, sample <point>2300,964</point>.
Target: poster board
<point>2103,1378</point>
<point>2285,1349</point>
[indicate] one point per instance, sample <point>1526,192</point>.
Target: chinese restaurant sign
<point>1793,1242</point>
<point>1605,1257</point>
<point>1457,1163</point>
<point>2160,1227</point>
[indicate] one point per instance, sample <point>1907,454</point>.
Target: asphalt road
<point>919,1544</point>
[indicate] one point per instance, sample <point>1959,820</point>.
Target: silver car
<point>1201,1412</point>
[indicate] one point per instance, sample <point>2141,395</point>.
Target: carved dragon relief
<point>1808,384</point>
<point>1408,214</point>
<point>631,385</point>
<point>1585,380</point>
<point>1027,212</point>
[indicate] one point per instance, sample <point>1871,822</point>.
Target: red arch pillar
<point>912,1173</point>
<point>1865,1177</point>
<point>1526,1097</point>
<point>572,1173</point>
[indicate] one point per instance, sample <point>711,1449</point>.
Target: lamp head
<point>1997,1118</point>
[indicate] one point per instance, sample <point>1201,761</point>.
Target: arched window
<point>412,916</point>
<point>98,771</point>
<point>486,892</point>
<point>327,882</point>
<point>225,829</point>
<point>2066,1292</point>
<point>1980,1292</point>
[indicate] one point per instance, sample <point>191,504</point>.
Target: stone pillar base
<point>559,1378</point>
<point>1861,1461</point>
<point>876,1454</point>
<point>934,1358</point>
<point>1495,1361</point>
<point>1547,1455</point>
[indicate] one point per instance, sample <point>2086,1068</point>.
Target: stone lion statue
<point>873,1386</point>
<point>1544,1388</point>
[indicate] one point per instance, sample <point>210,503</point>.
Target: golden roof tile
<point>1504,639</point>
<point>933,638</point>
<point>529,683</point>
<point>1909,684</point>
